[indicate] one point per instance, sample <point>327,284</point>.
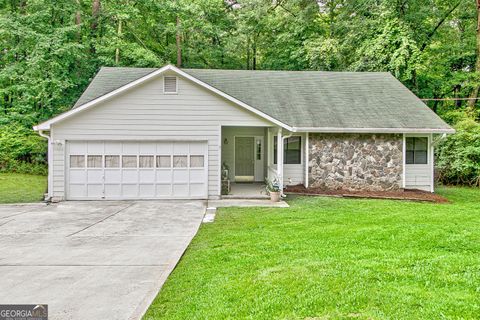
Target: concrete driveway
<point>92,260</point>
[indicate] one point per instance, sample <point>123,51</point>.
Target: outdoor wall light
<point>225,141</point>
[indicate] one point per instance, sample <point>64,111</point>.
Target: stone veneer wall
<point>371,162</point>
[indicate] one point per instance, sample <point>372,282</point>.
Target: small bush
<point>22,150</point>
<point>458,156</point>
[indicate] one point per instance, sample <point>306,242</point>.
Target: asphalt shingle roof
<point>303,98</point>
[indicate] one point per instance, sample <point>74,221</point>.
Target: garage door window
<point>164,162</point>
<point>112,161</point>
<point>146,161</point>
<point>196,161</point>
<point>180,161</point>
<point>77,161</point>
<point>94,161</point>
<point>129,161</point>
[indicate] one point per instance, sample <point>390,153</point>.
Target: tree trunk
<point>254,62</point>
<point>474,94</point>
<point>78,19</point>
<point>179,44</point>
<point>248,53</point>
<point>119,35</point>
<point>95,14</point>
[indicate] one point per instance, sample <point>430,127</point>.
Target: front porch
<point>249,155</point>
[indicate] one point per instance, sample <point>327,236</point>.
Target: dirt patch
<point>412,195</point>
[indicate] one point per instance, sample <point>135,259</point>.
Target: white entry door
<point>136,170</point>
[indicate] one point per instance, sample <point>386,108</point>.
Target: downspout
<point>49,160</point>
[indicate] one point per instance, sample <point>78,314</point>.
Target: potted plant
<point>273,189</point>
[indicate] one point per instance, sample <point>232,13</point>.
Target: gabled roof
<point>299,100</point>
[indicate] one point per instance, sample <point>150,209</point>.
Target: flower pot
<point>275,196</point>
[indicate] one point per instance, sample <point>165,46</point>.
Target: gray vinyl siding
<point>145,113</point>
<point>418,176</point>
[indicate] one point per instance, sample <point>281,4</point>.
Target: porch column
<point>280,158</point>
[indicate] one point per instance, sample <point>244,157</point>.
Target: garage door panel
<point>94,147</point>
<point>136,170</point>
<point>78,147</point>
<point>130,148</point>
<point>113,148</point>
<point>147,190</point>
<point>113,176</point>
<point>197,175</point>
<point>180,190</point>
<point>95,176</point>
<point>148,148</point>
<point>78,176</point>
<point>164,190</point>
<point>95,190</point>
<point>129,191</point>
<point>129,176</point>
<point>180,148</point>
<point>164,176</point>
<point>147,175</point>
<point>112,190</point>
<point>180,176</point>
<point>197,189</point>
<point>79,190</point>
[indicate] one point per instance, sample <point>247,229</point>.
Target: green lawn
<point>330,258</point>
<point>15,187</point>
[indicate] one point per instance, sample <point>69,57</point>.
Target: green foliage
<point>22,150</point>
<point>458,157</point>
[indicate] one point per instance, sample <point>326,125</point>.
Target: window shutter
<point>170,84</point>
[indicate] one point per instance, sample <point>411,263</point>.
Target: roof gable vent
<point>170,84</point>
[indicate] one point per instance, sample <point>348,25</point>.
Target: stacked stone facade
<point>371,162</point>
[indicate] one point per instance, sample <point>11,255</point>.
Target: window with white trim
<point>417,150</point>
<point>170,84</point>
<point>292,150</point>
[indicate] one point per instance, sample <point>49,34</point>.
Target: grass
<point>15,187</point>
<point>330,258</point>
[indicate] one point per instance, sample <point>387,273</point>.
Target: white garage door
<point>136,170</point>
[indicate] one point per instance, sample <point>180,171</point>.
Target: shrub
<point>22,150</point>
<point>458,156</point>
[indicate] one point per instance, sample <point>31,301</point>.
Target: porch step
<point>245,197</point>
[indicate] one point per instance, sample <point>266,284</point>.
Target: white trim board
<point>46,125</point>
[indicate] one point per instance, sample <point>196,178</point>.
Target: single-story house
<point>142,133</point>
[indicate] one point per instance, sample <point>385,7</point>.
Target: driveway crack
<point>100,221</point>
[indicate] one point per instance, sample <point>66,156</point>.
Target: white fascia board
<point>370,130</point>
<point>46,125</point>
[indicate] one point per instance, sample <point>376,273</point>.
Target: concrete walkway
<point>92,260</point>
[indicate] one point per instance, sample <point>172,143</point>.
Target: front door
<point>244,159</point>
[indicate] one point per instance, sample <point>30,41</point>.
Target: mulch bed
<point>412,195</point>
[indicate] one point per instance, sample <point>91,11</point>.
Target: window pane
<point>77,161</point>
<point>164,162</point>
<point>179,161</point>
<point>409,158</point>
<point>112,161</point>
<point>259,150</point>
<point>421,144</point>
<point>292,153</point>
<point>196,161</point>
<point>94,161</point>
<point>410,144</point>
<point>420,157</point>
<point>129,161</point>
<point>146,161</point>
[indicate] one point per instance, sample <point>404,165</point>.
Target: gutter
<point>50,162</point>
<point>371,130</point>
